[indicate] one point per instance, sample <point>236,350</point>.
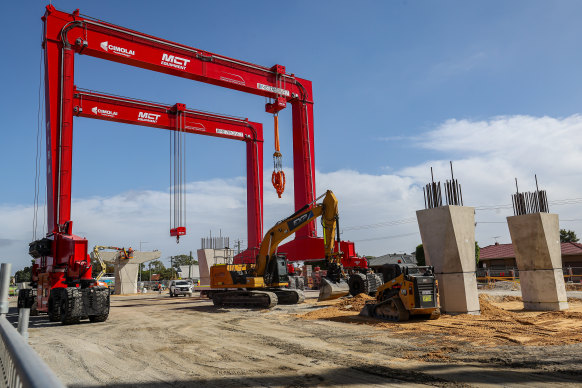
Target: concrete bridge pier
<point>448,238</point>
<point>536,243</point>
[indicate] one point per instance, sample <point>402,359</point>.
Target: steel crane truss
<point>130,111</point>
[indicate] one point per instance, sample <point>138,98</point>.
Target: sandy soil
<point>155,341</point>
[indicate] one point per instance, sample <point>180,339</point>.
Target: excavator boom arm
<point>327,209</point>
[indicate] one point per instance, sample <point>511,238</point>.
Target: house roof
<point>392,258</point>
<point>505,251</point>
<point>571,248</point>
<point>497,251</point>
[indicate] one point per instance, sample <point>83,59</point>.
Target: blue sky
<point>385,75</point>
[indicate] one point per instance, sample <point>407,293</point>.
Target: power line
<point>381,224</point>
<point>387,237</point>
<point>559,202</point>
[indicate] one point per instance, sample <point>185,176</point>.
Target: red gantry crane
<point>67,34</point>
<point>61,257</point>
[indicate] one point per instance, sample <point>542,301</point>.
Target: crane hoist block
<point>280,103</point>
<point>279,69</point>
<point>179,231</point>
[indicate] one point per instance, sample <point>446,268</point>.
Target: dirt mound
<point>340,307</point>
<point>354,304</point>
<point>500,323</point>
<point>490,310</point>
<point>363,297</point>
<point>511,298</point>
<point>326,313</point>
<point>561,315</point>
<point>573,287</point>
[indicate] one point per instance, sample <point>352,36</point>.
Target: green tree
<point>181,260</point>
<point>25,274</point>
<point>568,236</point>
<point>420,255</point>
<point>477,253</point>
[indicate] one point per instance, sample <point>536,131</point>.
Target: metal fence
<point>493,274</point>
<point>20,365</point>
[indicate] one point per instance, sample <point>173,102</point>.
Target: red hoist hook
<point>279,103</point>
<point>278,177</point>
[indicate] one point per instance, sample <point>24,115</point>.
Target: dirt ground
<point>156,341</point>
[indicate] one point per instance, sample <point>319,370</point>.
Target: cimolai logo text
<point>105,46</point>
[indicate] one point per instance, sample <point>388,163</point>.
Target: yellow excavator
<point>262,284</point>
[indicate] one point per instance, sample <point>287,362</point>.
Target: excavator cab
<point>276,272</point>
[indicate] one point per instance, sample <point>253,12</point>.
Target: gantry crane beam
<point>101,106</point>
<point>66,34</point>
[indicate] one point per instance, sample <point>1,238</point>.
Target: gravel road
<point>157,341</point>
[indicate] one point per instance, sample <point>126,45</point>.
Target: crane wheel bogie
<point>72,304</point>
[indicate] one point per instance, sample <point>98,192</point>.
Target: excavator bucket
<point>329,290</point>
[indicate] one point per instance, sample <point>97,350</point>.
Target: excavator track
<point>260,299</point>
<point>391,309</point>
<point>286,296</point>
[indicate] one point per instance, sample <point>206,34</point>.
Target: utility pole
<point>172,267</point>
<point>190,266</point>
<point>140,268</point>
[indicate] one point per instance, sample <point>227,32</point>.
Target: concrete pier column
<point>536,243</point>
<point>126,277</point>
<point>205,261</point>
<point>448,238</point>
<point>126,270</point>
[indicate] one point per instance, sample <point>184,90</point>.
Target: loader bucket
<point>329,290</point>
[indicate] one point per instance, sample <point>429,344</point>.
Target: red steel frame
<point>130,111</point>
<point>66,34</point>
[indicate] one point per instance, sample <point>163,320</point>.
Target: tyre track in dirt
<point>152,341</point>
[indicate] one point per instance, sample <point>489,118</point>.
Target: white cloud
<point>487,156</point>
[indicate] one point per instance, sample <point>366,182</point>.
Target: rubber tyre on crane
<point>71,306</point>
<point>100,303</point>
<point>54,305</point>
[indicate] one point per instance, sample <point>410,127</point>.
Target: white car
<point>181,287</point>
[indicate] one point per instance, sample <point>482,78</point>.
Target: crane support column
<point>303,156</point>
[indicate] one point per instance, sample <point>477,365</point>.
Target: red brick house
<point>502,256</point>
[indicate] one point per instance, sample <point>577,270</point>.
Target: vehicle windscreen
<point>181,283</point>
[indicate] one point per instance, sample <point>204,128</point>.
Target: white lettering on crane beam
<point>148,117</point>
<point>230,133</point>
<point>104,112</point>
<point>273,89</point>
<point>116,49</point>
<point>174,61</point>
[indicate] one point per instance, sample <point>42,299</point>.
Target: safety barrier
<point>569,277</point>
<point>20,365</point>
